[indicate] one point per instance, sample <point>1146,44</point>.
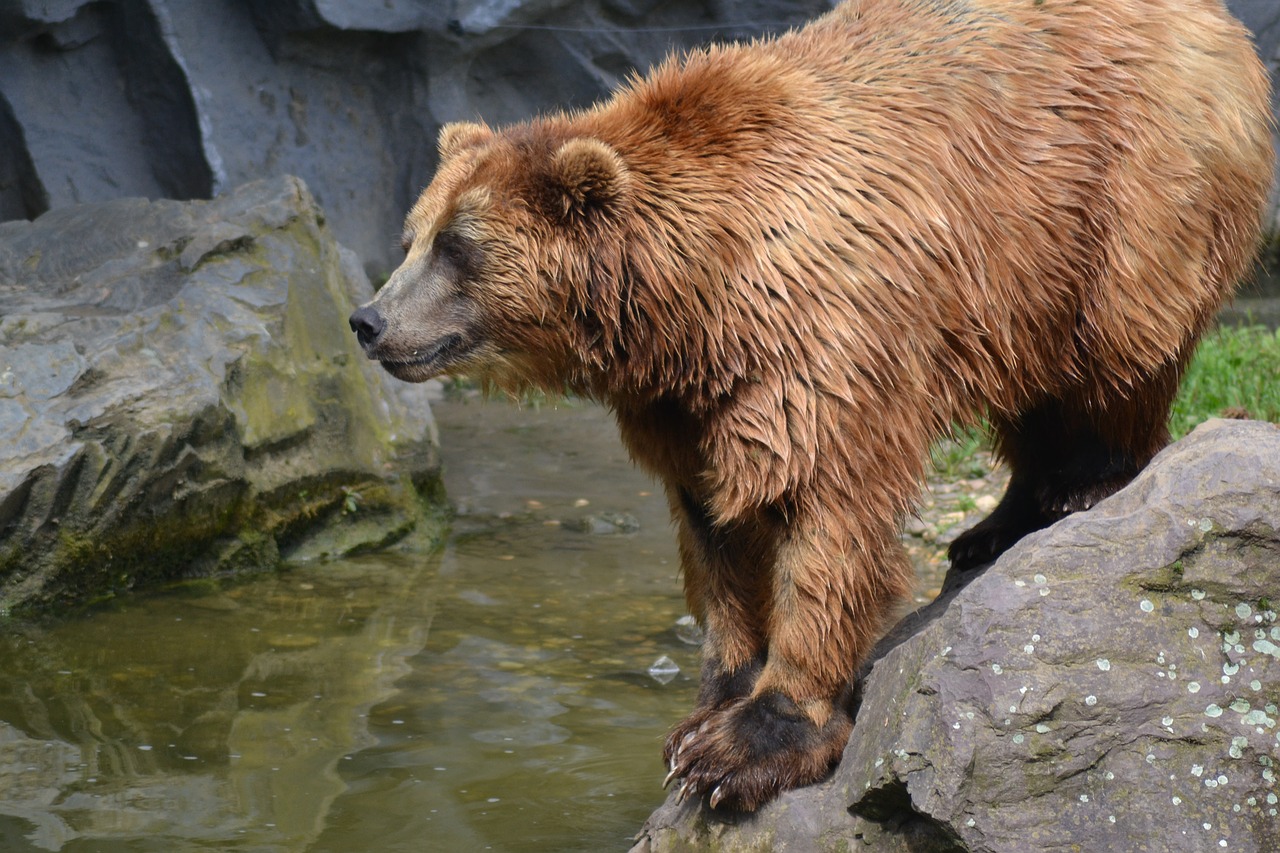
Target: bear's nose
<point>368,325</point>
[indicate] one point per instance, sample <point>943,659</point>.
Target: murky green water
<point>493,696</point>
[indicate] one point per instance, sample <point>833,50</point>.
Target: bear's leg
<point>1065,456</point>
<point>828,605</point>
<point>726,588</point>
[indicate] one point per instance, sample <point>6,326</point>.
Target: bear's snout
<point>368,324</point>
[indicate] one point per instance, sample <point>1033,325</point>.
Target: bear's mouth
<point>431,362</point>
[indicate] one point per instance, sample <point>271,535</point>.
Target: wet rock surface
<point>181,397</point>
<point>1111,683</point>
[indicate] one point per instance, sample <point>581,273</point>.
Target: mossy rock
<point>184,399</point>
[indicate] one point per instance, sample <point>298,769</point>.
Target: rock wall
<point>186,99</point>
<point>180,396</point>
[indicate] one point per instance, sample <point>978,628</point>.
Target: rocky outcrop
<point>183,99</point>
<point>180,396</point>
<point>1110,683</point>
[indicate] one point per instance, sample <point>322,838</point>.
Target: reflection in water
<point>493,695</point>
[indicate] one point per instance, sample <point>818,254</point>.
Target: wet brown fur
<point>789,266</point>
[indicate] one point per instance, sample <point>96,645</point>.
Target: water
<point>507,692</point>
<point>494,695</point>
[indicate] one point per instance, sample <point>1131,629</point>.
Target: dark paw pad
<point>743,755</point>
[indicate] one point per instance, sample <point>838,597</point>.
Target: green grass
<point>1235,373</point>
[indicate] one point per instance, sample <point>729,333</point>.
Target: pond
<point>494,694</point>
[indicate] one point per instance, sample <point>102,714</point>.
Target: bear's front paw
<point>744,754</point>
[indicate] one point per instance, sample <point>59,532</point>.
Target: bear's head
<point>502,277</point>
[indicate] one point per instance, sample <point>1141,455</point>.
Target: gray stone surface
<point>188,98</point>
<point>180,396</point>
<point>1110,683</point>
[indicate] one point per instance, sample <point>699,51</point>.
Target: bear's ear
<point>460,135</point>
<point>589,174</point>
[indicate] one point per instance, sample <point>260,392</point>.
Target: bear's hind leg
<point>1066,456</point>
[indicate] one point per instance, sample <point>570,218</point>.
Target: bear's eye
<point>456,250</point>
<point>406,242</point>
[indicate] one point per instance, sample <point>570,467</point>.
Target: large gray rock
<point>1111,683</point>
<point>180,395</point>
<point>186,98</point>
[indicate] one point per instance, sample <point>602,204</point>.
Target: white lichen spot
<point>1044,591</point>
<point>1013,709</point>
<point>1205,525</point>
<point>1035,638</point>
<point>1275,633</point>
<point>1222,780</point>
<point>1231,638</point>
<point>1240,706</point>
<point>1238,746</point>
<point>1230,668</point>
<point>1084,798</point>
<point>970,822</point>
<point>1146,606</point>
<point>1197,770</point>
<point>945,651</point>
<point>1111,818</point>
<point>955,725</point>
<point>1023,689</point>
<point>1243,610</point>
<point>1028,648</point>
<point>1177,801</point>
<point>1255,685</point>
<point>1042,729</point>
<point>1210,783</point>
<point>1222,842</point>
<point>1091,700</point>
<point>1271,799</point>
<point>1160,658</point>
<point>1193,687</point>
<point>1166,721</point>
<point>1197,594</point>
<point>997,668</point>
<point>1104,664</point>
<point>1213,711</point>
<point>1040,579</point>
<point>1019,583</point>
<point>1267,647</point>
<point>1108,775</point>
<point>1018,738</point>
<point>1193,632</point>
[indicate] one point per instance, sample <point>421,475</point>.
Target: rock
<point>101,99</point>
<point>180,99</point>
<point>180,396</point>
<point>1111,683</point>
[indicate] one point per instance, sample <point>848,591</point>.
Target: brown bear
<point>789,266</point>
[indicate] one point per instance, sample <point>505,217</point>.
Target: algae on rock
<point>181,397</point>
